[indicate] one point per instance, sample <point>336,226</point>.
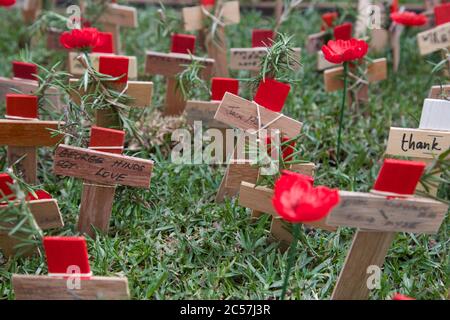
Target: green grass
<point>174,242</point>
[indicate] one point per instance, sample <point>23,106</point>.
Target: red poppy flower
<point>7,3</point>
<point>399,296</point>
<point>296,200</point>
<point>328,19</point>
<point>339,51</point>
<point>85,38</point>
<point>408,18</point>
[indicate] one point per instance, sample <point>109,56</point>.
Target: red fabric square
<point>183,43</point>
<point>272,94</point>
<point>221,85</point>
<point>442,14</point>
<point>105,137</point>
<point>105,43</point>
<point>5,182</point>
<point>25,70</point>
<point>207,2</point>
<point>399,176</point>
<point>343,31</point>
<point>262,38</point>
<point>22,105</point>
<point>115,66</point>
<point>63,252</point>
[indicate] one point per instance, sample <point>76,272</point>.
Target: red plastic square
<point>5,182</point>
<point>115,66</point>
<point>106,139</point>
<point>22,105</point>
<point>207,2</point>
<point>105,43</point>
<point>442,14</point>
<point>25,70</point>
<point>40,195</point>
<point>399,176</point>
<point>343,31</point>
<point>262,38</point>
<point>272,94</point>
<point>183,43</point>
<point>64,252</point>
<point>221,85</point>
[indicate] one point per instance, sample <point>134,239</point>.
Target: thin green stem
<point>341,114</point>
<point>291,256</point>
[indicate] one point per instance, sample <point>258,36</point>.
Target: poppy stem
<point>291,255</point>
<point>341,112</point>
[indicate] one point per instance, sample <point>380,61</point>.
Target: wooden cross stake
<point>250,58</point>
<point>389,208</point>
<point>102,167</point>
<point>226,13</point>
<point>22,132</point>
<point>69,276</point>
<point>170,64</point>
<point>44,209</point>
<point>139,92</point>
<point>243,114</point>
<point>25,81</point>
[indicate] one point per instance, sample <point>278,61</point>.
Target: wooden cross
<point>250,58</point>
<point>44,209</point>
<point>225,13</point>
<point>244,114</point>
<point>389,208</point>
<point>102,167</point>
<point>139,92</point>
<point>439,92</point>
<point>376,71</point>
<point>22,132</point>
<point>259,199</point>
<point>25,81</point>
<point>170,64</point>
<point>69,276</point>
<point>116,16</point>
<point>437,38</point>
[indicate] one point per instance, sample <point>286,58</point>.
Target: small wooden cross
<point>139,92</point>
<point>437,38</point>
<point>116,16</point>
<point>250,58</point>
<point>226,13</point>
<point>243,114</point>
<point>170,64</point>
<point>389,208</point>
<point>69,276</point>
<point>22,132</point>
<point>42,206</point>
<point>376,71</point>
<point>102,167</point>
<point>25,81</point>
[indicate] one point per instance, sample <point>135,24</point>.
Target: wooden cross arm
<point>333,78</point>
<point>170,64</point>
<point>434,39</point>
<point>420,143</point>
<point>315,42</point>
<point>260,198</point>
<point>51,288</point>
<point>203,111</point>
<point>102,167</point>
<point>436,92</point>
<point>379,213</point>
<point>119,15</point>
<point>250,58</point>
<point>243,114</point>
<point>26,133</point>
<point>140,92</point>
<point>77,69</point>
<point>193,17</point>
